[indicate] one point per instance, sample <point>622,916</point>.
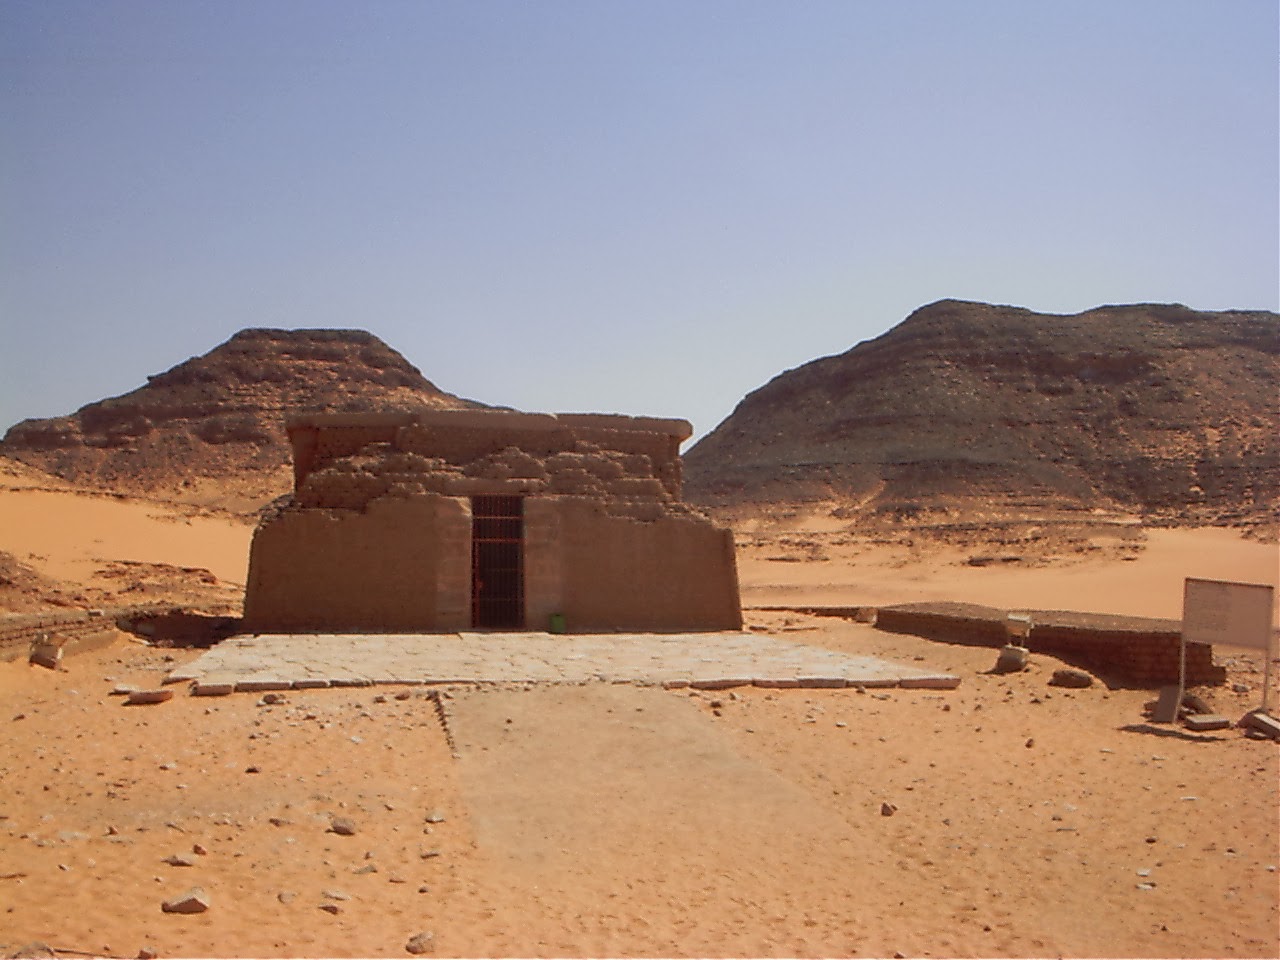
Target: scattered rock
<point>1239,688</point>
<point>273,698</point>
<point>199,849</point>
<point>286,896</point>
<point>194,900</point>
<point>179,860</point>
<point>888,809</point>
<point>332,908</point>
<point>253,769</point>
<point>123,690</point>
<point>146,953</point>
<point>336,895</point>
<point>367,868</point>
<point>435,816</point>
<point>421,943</point>
<point>1071,677</point>
<point>342,826</point>
<point>1031,742</point>
<point>148,696</point>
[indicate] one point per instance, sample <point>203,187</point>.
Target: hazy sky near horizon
<point>646,207</point>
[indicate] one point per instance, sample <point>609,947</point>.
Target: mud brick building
<point>446,520</point>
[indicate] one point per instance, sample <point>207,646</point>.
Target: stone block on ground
<point>1011,659</point>
<point>1206,721</point>
<point>206,688</point>
<point>1196,703</point>
<point>1071,677</point>
<point>940,682</point>
<point>1167,707</point>
<point>46,653</point>
<point>148,696</point>
<point>194,900</point>
<point>1256,720</point>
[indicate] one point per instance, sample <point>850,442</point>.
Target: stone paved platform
<point>700,660</point>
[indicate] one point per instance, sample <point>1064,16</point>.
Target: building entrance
<point>497,562</point>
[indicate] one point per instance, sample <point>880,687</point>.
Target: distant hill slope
<point>215,424</point>
<point>1149,407</point>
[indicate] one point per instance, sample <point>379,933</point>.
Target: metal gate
<point>497,562</point>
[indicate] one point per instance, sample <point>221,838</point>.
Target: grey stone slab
<point>708,661</point>
<point>1263,723</point>
<point>1206,721</point>
<point>1167,706</point>
<point>940,682</point>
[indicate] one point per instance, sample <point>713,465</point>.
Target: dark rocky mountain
<point>1152,408</point>
<point>216,422</point>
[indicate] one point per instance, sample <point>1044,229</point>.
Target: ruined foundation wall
<point>336,570</point>
<point>463,437</point>
<point>676,572</point>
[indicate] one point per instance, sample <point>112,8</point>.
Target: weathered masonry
<point>458,519</point>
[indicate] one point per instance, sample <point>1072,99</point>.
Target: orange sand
<point>612,820</point>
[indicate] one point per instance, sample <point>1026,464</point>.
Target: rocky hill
<point>1150,408</point>
<point>215,423</point>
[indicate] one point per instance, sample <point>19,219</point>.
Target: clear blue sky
<point>644,207</point>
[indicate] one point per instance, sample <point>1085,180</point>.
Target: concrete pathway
<point>701,660</point>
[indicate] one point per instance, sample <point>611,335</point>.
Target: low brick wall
<point>1138,649</point>
<point>80,629</point>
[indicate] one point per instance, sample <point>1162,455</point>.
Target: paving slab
<point>701,660</point>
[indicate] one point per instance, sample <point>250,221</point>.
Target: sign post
<point>1238,614</point>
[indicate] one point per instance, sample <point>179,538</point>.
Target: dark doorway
<point>497,562</point>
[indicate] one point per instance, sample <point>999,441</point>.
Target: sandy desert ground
<point>614,820</point>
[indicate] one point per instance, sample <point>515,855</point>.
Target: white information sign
<point>1220,611</point>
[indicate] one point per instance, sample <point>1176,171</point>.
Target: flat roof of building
<point>492,420</point>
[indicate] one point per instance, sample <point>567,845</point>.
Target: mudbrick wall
<point>1140,650</point>
<point>378,536</point>
<point>455,439</point>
